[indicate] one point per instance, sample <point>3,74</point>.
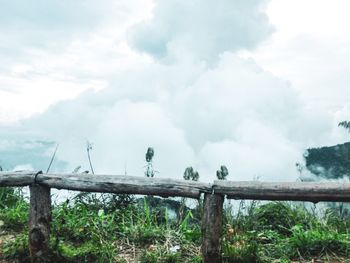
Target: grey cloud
<point>35,154</point>
<point>40,23</point>
<point>46,14</point>
<point>234,113</point>
<point>206,28</point>
<point>31,28</point>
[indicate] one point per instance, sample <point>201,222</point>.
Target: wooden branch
<point>21,178</point>
<point>297,191</point>
<point>39,222</point>
<point>211,228</point>
<point>121,184</point>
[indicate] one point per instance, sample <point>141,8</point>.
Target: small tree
<point>149,167</point>
<point>222,173</point>
<point>191,174</point>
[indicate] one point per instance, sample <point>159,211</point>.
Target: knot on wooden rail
<point>36,176</point>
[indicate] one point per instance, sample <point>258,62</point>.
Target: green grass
<point>284,232</point>
<point>14,209</point>
<point>109,228</point>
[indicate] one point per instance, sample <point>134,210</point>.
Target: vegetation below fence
<point>111,228</point>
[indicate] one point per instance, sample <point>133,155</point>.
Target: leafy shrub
<point>13,211</point>
<point>9,197</point>
<point>280,217</point>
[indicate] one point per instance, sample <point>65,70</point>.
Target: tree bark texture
<point>39,222</point>
<point>212,228</point>
<point>292,191</point>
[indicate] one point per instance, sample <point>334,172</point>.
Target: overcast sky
<point>248,84</point>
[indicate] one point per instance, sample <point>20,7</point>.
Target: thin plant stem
<point>52,158</point>
<point>88,148</point>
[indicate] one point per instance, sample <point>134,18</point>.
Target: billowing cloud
<point>205,28</point>
<point>45,50</point>
<point>196,100</point>
<point>234,114</point>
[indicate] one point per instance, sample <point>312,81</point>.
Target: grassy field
<point>111,228</point>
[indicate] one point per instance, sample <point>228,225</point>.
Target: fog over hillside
<point>130,75</point>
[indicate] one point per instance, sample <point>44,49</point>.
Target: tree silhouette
<point>345,124</point>
<point>222,173</point>
<point>191,174</point>
<point>149,167</point>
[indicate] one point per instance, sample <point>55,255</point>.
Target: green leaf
<point>101,213</point>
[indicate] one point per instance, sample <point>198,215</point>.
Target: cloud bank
<point>175,81</point>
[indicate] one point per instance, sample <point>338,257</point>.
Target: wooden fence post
<point>212,228</point>
<point>39,222</point>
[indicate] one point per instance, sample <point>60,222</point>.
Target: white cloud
<point>45,50</point>
<point>21,102</point>
<point>195,100</point>
<point>234,114</point>
<point>206,28</point>
<point>311,49</point>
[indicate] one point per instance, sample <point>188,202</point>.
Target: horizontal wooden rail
<point>121,184</point>
<point>293,191</point>
<point>22,178</point>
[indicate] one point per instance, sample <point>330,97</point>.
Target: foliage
<point>241,249</point>
<point>17,248</point>
<point>159,256</point>
<point>14,209</point>
<point>280,217</point>
<point>315,242</point>
<point>9,197</point>
<point>149,154</point>
<point>345,124</point>
<point>191,174</point>
<point>330,162</point>
<point>90,228</point>
<point>222,173</point>
<point>281,232</point>
<point>149,166</point>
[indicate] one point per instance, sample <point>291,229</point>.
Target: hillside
<point>332,162</point>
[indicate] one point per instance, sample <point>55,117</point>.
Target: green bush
<point>280,217</point>
<point>241,249</point>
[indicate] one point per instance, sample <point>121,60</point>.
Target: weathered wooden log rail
<point>214,194</point>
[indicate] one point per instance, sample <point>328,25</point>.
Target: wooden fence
<point>214,194</point>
